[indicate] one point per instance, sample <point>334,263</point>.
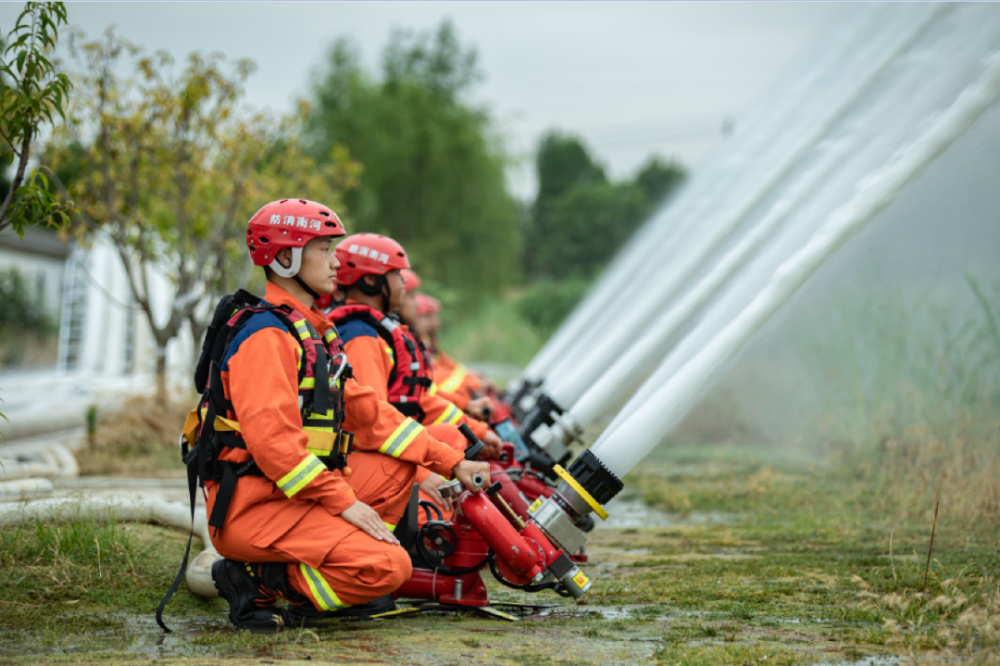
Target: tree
<point>434,173</point>
<point>658,179</point>
<point>30,92</point>
<point>579,218</point>
<point>588,223</point>
<point>174,167</point>
<point>561,163</point>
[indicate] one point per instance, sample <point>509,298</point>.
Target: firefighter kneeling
<point>277,411</point>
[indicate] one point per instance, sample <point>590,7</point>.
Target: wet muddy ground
<point>705,562</point>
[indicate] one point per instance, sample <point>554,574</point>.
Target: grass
<point>140,439</point>
<point>799,569</point>
<point>496,333</point>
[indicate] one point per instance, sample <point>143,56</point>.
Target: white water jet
<point>590,399</point>
<point>630,442</point>
<point>583,362</point>
<point>674,229</point>
<point>923,82</point>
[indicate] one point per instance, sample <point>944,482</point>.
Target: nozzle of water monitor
<point>597,482</point>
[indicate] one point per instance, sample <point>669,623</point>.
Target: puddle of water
<point>626,612</point>
<point>875,660</point>
<point>137,634</point>
<point>631,512</point>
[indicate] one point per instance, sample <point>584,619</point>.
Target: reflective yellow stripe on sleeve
<point>301,475</point>
<point>391,353</point>
<point>450,415</point>
<point>433,389</point>
<point>454,380</point>
<point>401,438</point>
<point>321,590</point>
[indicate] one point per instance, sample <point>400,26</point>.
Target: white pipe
<point>127,508</point>
<point>585,357</point>
<point>24,489</point>
<point>52,461</point>
<point>635,438</point>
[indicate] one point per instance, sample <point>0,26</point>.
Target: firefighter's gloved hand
<point>465,470</point>
<point>430,487</point>
<point>363,516</point>
<point>476,408</point>
<point>492,445</point>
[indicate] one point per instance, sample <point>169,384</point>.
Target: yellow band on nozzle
<point>574,484</point>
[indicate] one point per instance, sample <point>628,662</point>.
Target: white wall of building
<point>115,338</point>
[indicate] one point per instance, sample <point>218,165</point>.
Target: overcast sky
<point>632,78</point>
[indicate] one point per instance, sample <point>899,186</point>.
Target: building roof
<point>39,241</point>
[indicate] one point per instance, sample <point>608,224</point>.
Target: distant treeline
<point>433,177</point>
<point>164,159</point>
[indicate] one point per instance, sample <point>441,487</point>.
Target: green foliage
<point>169,165</point>
<point>21,311</point>
<point>433,170</point>
<point>495,332</point>
<point>658,179</point>
<point>585,226</point>
<point>562,162</point>
<point>546,303</point>
<point>579,218</point>
<point>31,91</point>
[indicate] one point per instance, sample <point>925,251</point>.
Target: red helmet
<point>368,254</point>
<point>288,223</point>
<point>427,305</point>
<point>412,280</point>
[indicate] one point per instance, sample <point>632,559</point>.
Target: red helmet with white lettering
<point>427,305</point>
<point>288,223</point>
<point>412,280</point>
<point>368,254</point>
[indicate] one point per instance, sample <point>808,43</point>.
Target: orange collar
<point>275,295</point>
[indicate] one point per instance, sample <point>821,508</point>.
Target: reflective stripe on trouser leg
<point>321,591</point>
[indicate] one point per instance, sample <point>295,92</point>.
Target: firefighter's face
<point>319,265</point>
<point>396,281</point>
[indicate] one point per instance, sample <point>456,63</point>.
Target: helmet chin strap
<point>292,270</point>
<point>380,288</point>
<point>302,283</point>
<point>386,295</point>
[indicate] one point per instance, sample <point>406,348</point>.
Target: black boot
<point>301,609</point>
<point>252,592</point>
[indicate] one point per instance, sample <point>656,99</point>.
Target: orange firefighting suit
<point>292,514</point>
<point>452,380</point>
<point>372,362</point>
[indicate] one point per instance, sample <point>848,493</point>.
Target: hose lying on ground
<point>126,508</point>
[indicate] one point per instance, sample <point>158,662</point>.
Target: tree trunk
<point>161,374</point>
<point>198,329</point>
